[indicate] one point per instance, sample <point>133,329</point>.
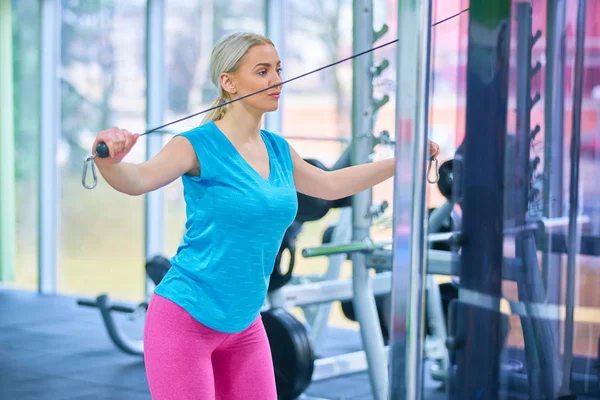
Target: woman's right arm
<point>175,159</point>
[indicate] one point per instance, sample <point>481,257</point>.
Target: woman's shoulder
<point>279,141</point>
<point>199,131</point>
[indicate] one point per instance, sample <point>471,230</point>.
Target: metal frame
<point>363,109</point>
<point>319,315</point>
<point>327,291</point>
<point>7,148</point>
<point>408,302</point>
<point>540,339</point>
<point>554,136</point>
<point>574,234</point>
<point>474,338</point>
<point>49,174</point>
<point>156,81</point>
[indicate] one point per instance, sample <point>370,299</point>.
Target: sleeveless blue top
<point>236,220</point>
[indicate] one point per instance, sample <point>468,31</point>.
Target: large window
<point>102,85</point>
<point>26,66</point>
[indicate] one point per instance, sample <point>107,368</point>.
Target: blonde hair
<point>225,58</point>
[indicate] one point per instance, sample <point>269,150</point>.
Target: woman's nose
<point>276,79</point>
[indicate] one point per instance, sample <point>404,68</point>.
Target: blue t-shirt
<point>236,220</point>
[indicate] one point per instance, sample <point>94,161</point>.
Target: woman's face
<point>259,68</point>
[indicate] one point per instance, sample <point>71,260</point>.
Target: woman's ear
<point>228,83</point>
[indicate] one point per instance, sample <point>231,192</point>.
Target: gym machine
<point>479,366</point>
<point>537,373</point>
<point>485,205</point>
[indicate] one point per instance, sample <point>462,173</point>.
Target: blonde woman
<point>204,337</point>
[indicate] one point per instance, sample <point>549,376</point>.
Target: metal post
<point>49,136</point>
<point>475,339</point>
<point>408,286</point>
<point>520,161</point>
<point>275,22</point>
<point>362,146</point>
<point>7,148</point>
<point>554,138</point>
<point>156,79</point>
<point>574,237</point>
<point>518,178</point>
<point>539,337</point>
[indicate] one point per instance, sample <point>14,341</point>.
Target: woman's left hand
<point>434,149</point>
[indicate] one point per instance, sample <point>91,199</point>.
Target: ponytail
<point>217,113</point>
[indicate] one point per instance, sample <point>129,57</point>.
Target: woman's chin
<point>271,108</point>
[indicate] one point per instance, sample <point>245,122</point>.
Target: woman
<point>203,337</point>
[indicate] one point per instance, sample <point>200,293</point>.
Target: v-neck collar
<point>246,163</point>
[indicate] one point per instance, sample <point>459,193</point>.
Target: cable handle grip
<point>102,150</point>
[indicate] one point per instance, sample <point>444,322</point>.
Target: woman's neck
<point>239,124</point>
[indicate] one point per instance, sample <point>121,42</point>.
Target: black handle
<point>122,308</point>
<point>102,150</point>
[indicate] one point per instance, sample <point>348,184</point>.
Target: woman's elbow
<point>135,193</point>
<point>332,191</point>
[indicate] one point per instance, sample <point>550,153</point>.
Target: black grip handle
<point>102,150</point>
<point>87,303</point>
<point>122,308</point>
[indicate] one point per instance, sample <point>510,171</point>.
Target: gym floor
<point>53,349</point>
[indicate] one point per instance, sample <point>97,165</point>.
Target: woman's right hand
<point>119,142</point>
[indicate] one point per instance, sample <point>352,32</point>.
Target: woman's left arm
<point>332,185</point>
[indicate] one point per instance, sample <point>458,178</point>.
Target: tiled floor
<point>53,349</point>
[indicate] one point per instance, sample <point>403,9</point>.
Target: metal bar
<point>554,137</point>
<point>438,217</point>
<point>154,213</point>
<point>275,18</point>
<point>321,139</point>
<point>328,291</point>
<point>363,121</point>
<point>408,295</point>
<point>519,180</point>
<point>541,337</point>
<point>562,222</point>
<point>7,148</point>
<point>366,246</point>
<point>574,195</point>
<point>589,245</point>
<point>49,178</point>
<point>475,337</point>
<point>118,336</point>
<point>343,248</point>
<point>444,263</point>
<point>345,364</point>
<point>520,161</point>
<point>344,160</point>
<point>341,232</point>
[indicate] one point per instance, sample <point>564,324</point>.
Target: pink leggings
<point>186,360</point>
